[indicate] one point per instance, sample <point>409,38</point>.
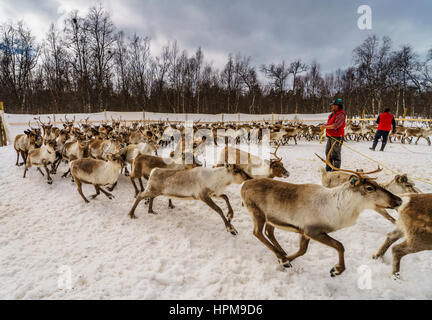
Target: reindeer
<point>74,150</point>
<point>133,150</point>
<point>414,224</point>
<point>418,133</point>
<point>254,166</point>
<point>312,210</point>
<point>96,147</point>
<point>42,157</point>
<point>194,184</point>
<point>144,163</point>
<point>23,143</point>
<point>96,172</point>
<point>49,132</point>
<point>291,132</point>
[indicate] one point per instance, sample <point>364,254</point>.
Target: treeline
<point>89,65</point>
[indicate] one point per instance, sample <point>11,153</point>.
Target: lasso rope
<point>424,180</point>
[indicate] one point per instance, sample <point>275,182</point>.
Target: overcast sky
<point>268,31</point>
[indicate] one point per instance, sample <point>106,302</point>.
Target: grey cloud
<point>267,31</point>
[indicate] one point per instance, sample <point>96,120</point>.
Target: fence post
<point>105,115</point>
<point>222,117</point>
<point>363,116</point>
<point>272,117</point>
<point>3,139</point>
<point>404,116</point>
<point>143,111</point>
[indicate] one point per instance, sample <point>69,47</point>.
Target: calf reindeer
<point>311,210</point>
<point>194,184</point>
<point>42,157</point>
<point>414,225</point>
<point>97,172</point>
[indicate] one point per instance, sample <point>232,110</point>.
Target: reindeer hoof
<point>132,216</point>
<point>49,181</point>
<point>287,264</point>
<point>232,230</point>
<point>126,174</point>
<point>335,271</point>
<point>396,276</point>
<point>171,207</point>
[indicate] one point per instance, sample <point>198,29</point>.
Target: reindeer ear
<point>398,178</point>
<point>404,178</point>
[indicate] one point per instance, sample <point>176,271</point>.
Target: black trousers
<point>336,155</point>
<point>381,134</point>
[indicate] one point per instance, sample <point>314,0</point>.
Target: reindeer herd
<point>99,154</point>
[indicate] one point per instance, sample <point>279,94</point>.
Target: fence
<point>14,124</point>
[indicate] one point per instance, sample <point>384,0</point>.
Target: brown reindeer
<point>311,210</point>
<point>414,224</point>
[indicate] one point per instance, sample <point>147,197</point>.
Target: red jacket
<point>385,121</point>
<point>339,119</point>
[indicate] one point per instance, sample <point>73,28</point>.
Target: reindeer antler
<point>274,152</point>
<point>359,174</point>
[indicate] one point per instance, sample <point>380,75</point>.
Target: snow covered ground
<point>47,231</point>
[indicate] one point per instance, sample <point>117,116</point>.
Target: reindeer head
<point>277,168</point>
<point>372,193</point>
<point>401,184</point>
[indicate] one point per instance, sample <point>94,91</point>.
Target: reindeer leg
<point>141,184</point>
<point>400,250</point>
<point>170,204</point>
<point>150,208</point>
<point>135,186</point>
<point>207,200</point>
<point>259,222</point>
<point>110,189</point>
<point>39,169</point>
<point>23,156</point>
<point>66,174</point>
<point>303,246</point>
<point>25,171</point>
<point>230,214</point>
<point>109,195</point>
<point>269,232</point>
<point>49,179</point>
<point>137,201</point>
<point>325,239</point>
<point>79,187</point>
<point>392,237</point>
<point>97,188</point>
<point>18,153</point>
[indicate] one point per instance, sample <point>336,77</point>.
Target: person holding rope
<point>335,131</point>
<point>385,123</point>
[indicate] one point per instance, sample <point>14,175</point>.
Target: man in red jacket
<point>385,122</point>
<point>335,130</point>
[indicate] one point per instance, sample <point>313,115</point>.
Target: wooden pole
<point>404,115</point>
<point>3,139</point>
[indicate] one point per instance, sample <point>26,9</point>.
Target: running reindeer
<point>312,210</point>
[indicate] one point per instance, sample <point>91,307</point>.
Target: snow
<point>186,253</point>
